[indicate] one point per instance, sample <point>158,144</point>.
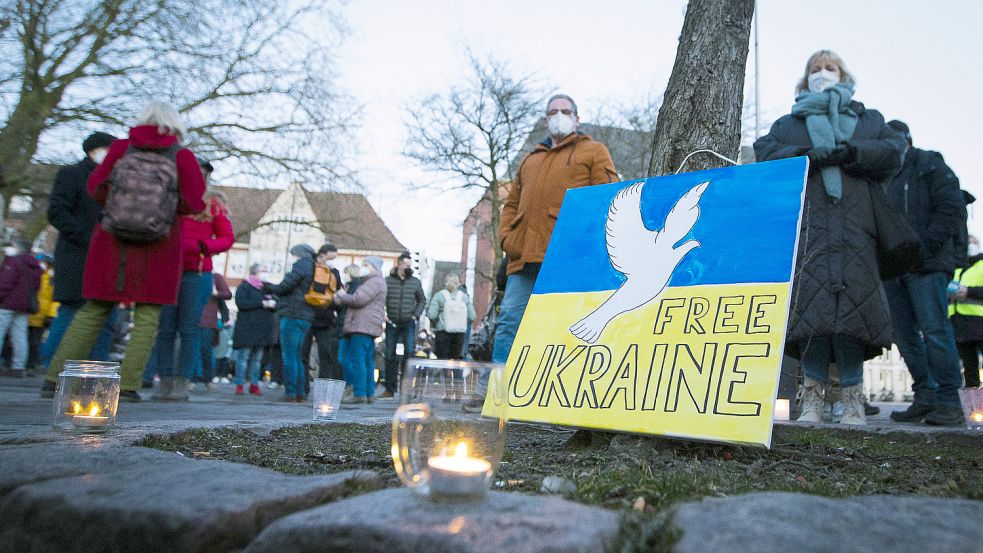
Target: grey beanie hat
<point>375,261</point>
<point>302,250</point>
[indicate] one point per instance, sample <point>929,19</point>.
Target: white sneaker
<point>225,380</point>
<point>272,385</point>
<point>215,380</point>
<point>812,401</point>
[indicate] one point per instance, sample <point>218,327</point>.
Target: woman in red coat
<point>150,274</point>
<point>202,236</point>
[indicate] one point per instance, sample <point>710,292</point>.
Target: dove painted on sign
<point>647,258</point>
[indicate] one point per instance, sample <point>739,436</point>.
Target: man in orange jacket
<point>565,159</point>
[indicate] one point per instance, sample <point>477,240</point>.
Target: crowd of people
<point>118,252</point>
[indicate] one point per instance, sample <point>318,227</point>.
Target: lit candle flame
<point>93,410</point>
<point>977,416</point>
<point>461,451</point>
<point>76,408</point>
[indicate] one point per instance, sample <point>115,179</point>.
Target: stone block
<point>397,521</point>
<point>783,522</point>
<point>145,500</point>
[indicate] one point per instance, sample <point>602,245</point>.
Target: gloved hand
<point>818,156</point>
<point>841,155</point>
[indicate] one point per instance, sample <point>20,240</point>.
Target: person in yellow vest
<point>47,310</point>
<point>966,312</point>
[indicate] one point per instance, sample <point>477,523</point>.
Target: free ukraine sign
<point>661,306</point>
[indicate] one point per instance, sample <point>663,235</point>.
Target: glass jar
<point>87,397</point>
<point>448,434</point>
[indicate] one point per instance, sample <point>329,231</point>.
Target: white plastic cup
<point>327,398</point>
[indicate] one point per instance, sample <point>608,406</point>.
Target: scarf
<point>830,122</point>
<point>255,282</point>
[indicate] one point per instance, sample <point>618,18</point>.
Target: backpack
<point>323,287</point>
<point>455,312</point>
<point>143,196</point>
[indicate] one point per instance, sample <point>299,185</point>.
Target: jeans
<point>247,364</point>
<point>346,366</point>
<point>207,354</point>
<point>66,313</point>
<point>969,352</point>
<point>182,319</point>
<point>923,333</point>
<point>326,337</point>
<point>518,288</point>
<point>448,345</point>
<point>292,333</point>
<point>847,352</point>
<point>404,332</point>
<point>361,358</point>
<point>85,329</point>
<point>15,323</point>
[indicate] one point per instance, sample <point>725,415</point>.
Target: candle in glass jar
<point>781,410</point>
<point>458,475</point>
<point>91,419</point>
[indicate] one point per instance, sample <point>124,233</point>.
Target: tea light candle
<point>781,410</point>
<point>977,417</point>
<point>91,421</point>
<point>458,476</point>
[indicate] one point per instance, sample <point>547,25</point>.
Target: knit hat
<point>901,127</point>
<point>97,140</point>
<point>302,250</point>
<point>375,261</point>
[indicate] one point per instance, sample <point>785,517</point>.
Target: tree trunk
<point>702,105</point>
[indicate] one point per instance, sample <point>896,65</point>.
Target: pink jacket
<point>215,235</point>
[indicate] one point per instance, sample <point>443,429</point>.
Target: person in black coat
<point>74,214</point>
<point>296,316</point>
<point>838,311</point>
<point>254,329</point>
<point>927,193</point>
<point>966,312</point>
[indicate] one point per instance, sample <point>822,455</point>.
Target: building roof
<point>630,150</point>
<point>348,220</point>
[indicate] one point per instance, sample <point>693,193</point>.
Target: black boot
<point>914,413</point>
<point>48,389</point>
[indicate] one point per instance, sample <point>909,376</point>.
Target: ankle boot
<point>812,401</point>
<point>166,389</point>
<point>853,406</point>
<point>180,390</point>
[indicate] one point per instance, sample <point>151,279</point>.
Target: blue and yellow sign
<point>662,304</point>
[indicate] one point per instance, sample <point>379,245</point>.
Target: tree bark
<point>702,105</point>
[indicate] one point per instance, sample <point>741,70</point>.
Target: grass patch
<point>644,477</point>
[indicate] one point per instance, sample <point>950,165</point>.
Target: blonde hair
<point>824,55</point>
<point>165,117</point>
<point>351,270</point>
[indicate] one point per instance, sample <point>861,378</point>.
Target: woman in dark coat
<point>839,312</point>
<point>148,276</point>
<point>254,329</point>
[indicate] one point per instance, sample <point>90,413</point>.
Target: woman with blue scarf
<point>839,312</point>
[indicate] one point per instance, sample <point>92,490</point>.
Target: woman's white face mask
<point>10,251</point>
<point>98,155</point>
<point>364,271</point>
<point>823,79</point>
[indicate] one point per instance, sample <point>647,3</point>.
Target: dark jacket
<point>20,278</point>
<point>255,324</point>
<point>290,292</point>
<point>74,213</point>
<point>837,288</point>
<point>405,300</point>
<point>928,194</point>
<point>327,316</point>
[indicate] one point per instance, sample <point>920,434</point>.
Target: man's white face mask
<point>560,124</point>
<point>10,251</point>
<point>823,79</point>
<point>98,155</point>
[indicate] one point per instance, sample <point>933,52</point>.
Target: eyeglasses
<point>553,112</point>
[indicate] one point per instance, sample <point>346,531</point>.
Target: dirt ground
<point>639,473</point>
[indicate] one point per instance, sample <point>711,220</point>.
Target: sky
<point>913,60</point>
